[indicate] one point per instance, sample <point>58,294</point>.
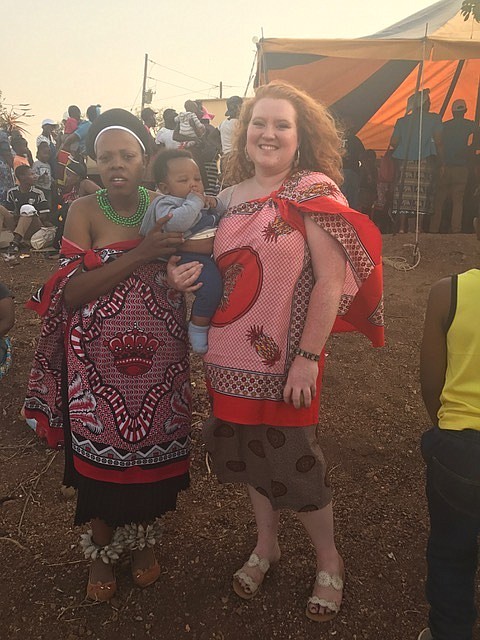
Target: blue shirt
<point>81,132</point>
<point>431,125</point>
<point>456,134</point>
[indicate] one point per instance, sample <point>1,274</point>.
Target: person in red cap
<point>461,138</point>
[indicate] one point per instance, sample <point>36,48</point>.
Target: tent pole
<point>477,109</point>
<point>399,203</point>
<point>452,87</point>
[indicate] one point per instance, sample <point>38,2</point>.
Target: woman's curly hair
<point>320,144</point>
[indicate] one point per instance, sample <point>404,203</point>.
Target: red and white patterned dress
<point>112,380</point>
<point>262,253</point>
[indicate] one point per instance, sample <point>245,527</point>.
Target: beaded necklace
<point>127,221</point>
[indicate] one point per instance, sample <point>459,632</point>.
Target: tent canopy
<point>368,80</point>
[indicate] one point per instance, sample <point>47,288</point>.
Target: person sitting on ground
<point>450,380</point>
<point>189,129</point>
<point>165,134</point>
<point>23,206</point>
<point>196,216</point>
<point>7,320</point>
<point>20,147</point>
<point>43,172</point>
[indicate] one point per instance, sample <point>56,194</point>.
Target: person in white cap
<point>48,127</point>
<point>461,138</point>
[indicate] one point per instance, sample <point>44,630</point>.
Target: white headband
<point>116,126</point>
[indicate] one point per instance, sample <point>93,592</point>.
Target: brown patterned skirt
<point>285,464</point>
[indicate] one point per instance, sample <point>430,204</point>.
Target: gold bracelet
<point>306,354</point>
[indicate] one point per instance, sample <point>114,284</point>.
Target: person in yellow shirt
<point>450,380</point>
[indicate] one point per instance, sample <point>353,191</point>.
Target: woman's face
<point>272,136</point>
<point>120,161</point>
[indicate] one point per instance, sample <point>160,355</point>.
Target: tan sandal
<point>101,591</point>
<point>107,554</point>
<point>145,577</point>
<point>325,579</point>
<point>244,585</point>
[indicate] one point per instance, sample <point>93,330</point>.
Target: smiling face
<point>272,136</point>
<point>121,161</point>
<point>183,177</point>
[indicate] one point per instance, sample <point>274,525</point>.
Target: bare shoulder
<point>84,205</point>
<point>441,289</point>
<point>79,221</point>
<point>439,300</point>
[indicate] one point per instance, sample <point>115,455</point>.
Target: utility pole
<point>144,86</point>
<point>221,89</point>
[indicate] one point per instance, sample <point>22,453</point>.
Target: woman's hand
<point>183,277</point>
<point>159,243</point>
<point>301,383</point>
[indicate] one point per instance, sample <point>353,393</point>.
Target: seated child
<point>189,129</point>
<point>43,171</point>
<point>178,178</point>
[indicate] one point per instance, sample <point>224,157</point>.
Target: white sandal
<point>243,584</point>
<point>325,579</point>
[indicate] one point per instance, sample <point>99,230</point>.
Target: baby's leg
<point>207,299</point>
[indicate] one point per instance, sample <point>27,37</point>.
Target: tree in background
<point>12,115</point>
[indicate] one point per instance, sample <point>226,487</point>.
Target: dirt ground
<point>371,420</point>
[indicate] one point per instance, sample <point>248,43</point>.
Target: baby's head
<point>192,107</point>
<point>176,173</point>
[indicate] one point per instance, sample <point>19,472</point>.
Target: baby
<point>195,215</point>
<point>188,128</point>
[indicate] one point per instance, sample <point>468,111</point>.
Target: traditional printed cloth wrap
<point>262,253</point>
<point>119,367</point>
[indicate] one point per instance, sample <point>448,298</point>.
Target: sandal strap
<point>325,579</point>
<point>248,584</point>
<point>262,563</point>
<point>326,604</point>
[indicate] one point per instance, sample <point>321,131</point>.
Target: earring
<point>296,159</point>
<point>247,157</point>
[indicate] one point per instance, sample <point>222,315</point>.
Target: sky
<point>59,52</point>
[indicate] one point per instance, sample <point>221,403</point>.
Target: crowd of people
<point>110,380</point>
<point>58,174</point>
<point>438,156</point>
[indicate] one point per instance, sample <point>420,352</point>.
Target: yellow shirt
<point>460,396</point>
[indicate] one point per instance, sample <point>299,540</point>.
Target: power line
<point>181,73</point>
<point>178,86</point>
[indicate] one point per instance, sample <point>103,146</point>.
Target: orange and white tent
<point>370,79</point>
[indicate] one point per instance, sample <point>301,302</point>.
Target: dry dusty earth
<point>372,418</point>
